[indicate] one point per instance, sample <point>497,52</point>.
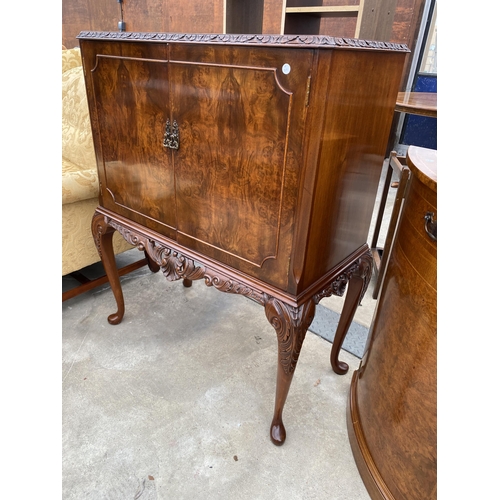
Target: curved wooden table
<point>391,415</point>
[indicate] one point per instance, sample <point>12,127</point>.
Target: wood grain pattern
<point>132,103</point>
<point>229,190</point>
<point>351,155</point>
<point>240,183</point>
<point>378,18</point>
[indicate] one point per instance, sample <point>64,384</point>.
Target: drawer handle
<point>431,226</point>
<point>171,136</point>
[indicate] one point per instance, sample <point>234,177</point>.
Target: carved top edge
<point>306,41</point>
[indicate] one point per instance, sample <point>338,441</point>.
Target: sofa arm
<point>78,183</point>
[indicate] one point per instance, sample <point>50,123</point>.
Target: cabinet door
<point>236,166</point>
<point>130,85</point>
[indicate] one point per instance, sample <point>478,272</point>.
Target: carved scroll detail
<point>362,267</point>
<point>174,265</point>
<point>291,324</point>
<point>130,236</point>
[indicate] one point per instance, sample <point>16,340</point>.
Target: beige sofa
<point>79,172</point>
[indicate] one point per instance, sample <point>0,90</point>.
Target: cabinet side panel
<point>360,101</point>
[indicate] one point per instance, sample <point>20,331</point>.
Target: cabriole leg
<point>103,238</point>
<point>358,283</point>
<point>291,324</point>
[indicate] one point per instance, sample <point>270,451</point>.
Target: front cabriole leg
<point>103,239</point>
<point>291,324</point>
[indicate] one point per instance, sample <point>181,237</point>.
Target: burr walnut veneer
<point>251,162</point>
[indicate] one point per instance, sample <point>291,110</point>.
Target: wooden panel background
<point>78,15</point>
<point>271,20</point>
<point>386,20</point>
<point>187,16</point>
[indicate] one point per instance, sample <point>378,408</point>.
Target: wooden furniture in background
<point>322,17</point>
<point>418,103</point>
<point>251,163</point>
<point>381,255</point>
<point>87,284</point>
<point>391,415</point>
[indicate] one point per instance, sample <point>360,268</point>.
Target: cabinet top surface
<point>305,41</point>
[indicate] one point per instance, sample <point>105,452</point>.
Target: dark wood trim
<point>88,284</point>
<point>308,41</point>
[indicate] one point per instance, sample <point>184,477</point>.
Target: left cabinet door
<point>130,110</point>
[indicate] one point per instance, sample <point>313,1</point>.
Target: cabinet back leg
<point>358,283</point>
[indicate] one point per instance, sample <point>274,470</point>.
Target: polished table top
<point>417,103</point>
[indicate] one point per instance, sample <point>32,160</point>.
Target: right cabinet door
<point>240,114</point>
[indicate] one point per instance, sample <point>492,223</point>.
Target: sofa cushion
<point>77,144</point>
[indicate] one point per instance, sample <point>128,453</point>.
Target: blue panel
<point>426,83</point>
<point>421,130</point>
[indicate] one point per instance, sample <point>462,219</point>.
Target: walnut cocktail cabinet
<point>251,162</point>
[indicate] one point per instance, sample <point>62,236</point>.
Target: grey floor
<point>176,401</point>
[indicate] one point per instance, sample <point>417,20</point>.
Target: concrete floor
<point>176,401</point>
